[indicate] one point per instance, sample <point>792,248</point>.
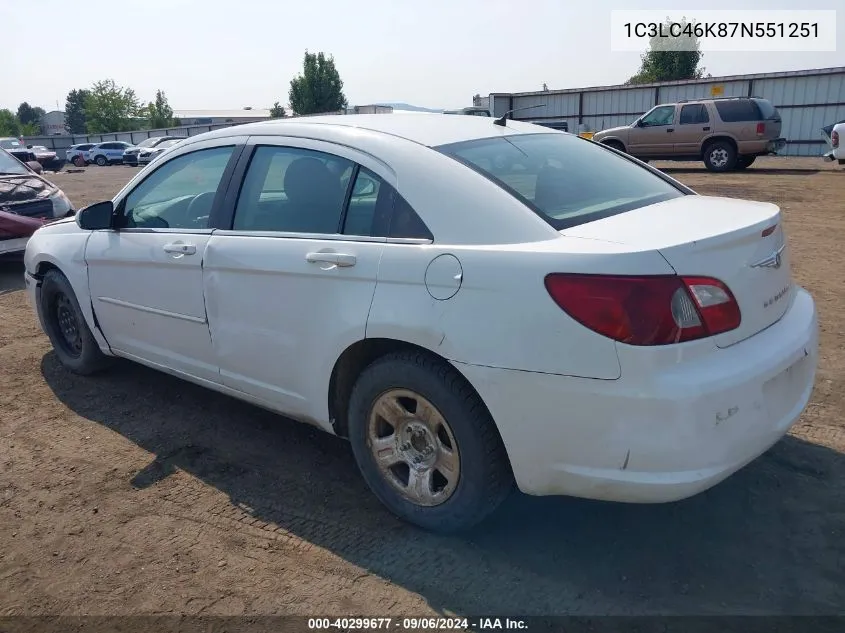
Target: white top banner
<point>725,31</point>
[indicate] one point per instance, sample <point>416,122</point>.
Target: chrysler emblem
<point>771,261</point>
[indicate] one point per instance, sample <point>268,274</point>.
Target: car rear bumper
<point>775,145</point>
<point>659,436</point>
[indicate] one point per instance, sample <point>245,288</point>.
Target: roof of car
<point>429,129</point>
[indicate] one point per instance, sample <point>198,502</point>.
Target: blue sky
<point>209,54</point>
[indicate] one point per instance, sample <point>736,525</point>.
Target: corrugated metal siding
<point>671,94</point>
<point>819,89</point>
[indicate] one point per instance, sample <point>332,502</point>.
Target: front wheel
<point>426,444</point>
<point>102,161</point>
<point>66,328</point>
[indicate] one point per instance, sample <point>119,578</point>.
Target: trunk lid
<point>739,242</point>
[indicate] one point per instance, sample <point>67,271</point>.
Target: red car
<point>27,201</point>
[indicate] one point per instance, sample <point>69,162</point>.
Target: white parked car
<point>147,155</point>
<point>471,302</point>
<point>835,136</point>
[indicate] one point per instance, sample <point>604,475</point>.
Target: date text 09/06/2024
<point>415,624</point>
<point>723,29</point>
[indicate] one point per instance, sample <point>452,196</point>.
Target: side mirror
<point>96,216</point>
<point>639,123</point>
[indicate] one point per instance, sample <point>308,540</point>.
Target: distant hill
<point>408,106</point>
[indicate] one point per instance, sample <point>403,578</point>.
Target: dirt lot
<point>135,492</point>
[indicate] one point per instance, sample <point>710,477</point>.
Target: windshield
<point>11,165</point>
<point>148,142</point>
<point>168,143</point>
<point>8,143</point>
<point>566,180</point>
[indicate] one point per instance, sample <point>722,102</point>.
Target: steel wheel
<point>68,326</point>
<point>719,157</point>
<point>414,447</point>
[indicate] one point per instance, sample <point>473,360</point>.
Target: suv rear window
<point>565,179</point>
<point>737,110</point>
<point>767,109</point>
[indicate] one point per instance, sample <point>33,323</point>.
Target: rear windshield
<point>565,179</point>
<point>767,110</point>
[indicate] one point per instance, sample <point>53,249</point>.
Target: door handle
<point>671,129</point>
<point>341,260</point>
<point>180,248</point>
<point>706,128</point>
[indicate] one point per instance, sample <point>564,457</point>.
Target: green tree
<point>110,108</point>
<point>9,124</point>
<point>30,129</point>
<point>30,118</point>
<point>318,88</point>
<point>671,58</point>
<point>75,120</point>
<point>278,111</point>
<point>159,112</point>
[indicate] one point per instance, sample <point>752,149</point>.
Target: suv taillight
<point>651,310</point>
<point>761,129</point>
<point>834,139</point>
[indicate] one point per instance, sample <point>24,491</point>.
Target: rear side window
<point>694,113</point>
<point>565,179</point>
<point>376,209</point>
<point>737,110</point>
<point>293,190</point>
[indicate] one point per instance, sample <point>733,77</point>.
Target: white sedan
<point>472,302</point>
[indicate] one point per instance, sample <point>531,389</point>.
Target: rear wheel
<point>426,444</point>
<point>101,160</point>
<point>720,156</point>
<point>66,328</point>
<point>743,162</point>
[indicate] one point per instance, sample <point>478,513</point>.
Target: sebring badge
<point>771,261</point>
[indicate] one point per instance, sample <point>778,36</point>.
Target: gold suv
<point>726,134</point>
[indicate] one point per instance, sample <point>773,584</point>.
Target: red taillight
<point>761,128</point>
<point>654,310</point>
<point>834,139</point>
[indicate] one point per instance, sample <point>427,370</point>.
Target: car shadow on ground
<point>11,273</point>
<point>768,540</point>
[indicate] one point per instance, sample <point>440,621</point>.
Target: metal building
<point>807,100</point>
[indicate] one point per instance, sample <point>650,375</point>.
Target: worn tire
<point>89,359</point>
<point>719,156</point>
<point>485,477</point>
<point>744,162</point>
<point>101,160</point>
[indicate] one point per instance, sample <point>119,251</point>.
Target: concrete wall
<point>807,101</point>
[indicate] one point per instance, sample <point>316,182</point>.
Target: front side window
<point>294,190</point>
<point>565,179</point>
<point>661,115</point>
<point>180,193</point>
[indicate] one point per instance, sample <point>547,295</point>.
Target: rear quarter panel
<point>501,316</point>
